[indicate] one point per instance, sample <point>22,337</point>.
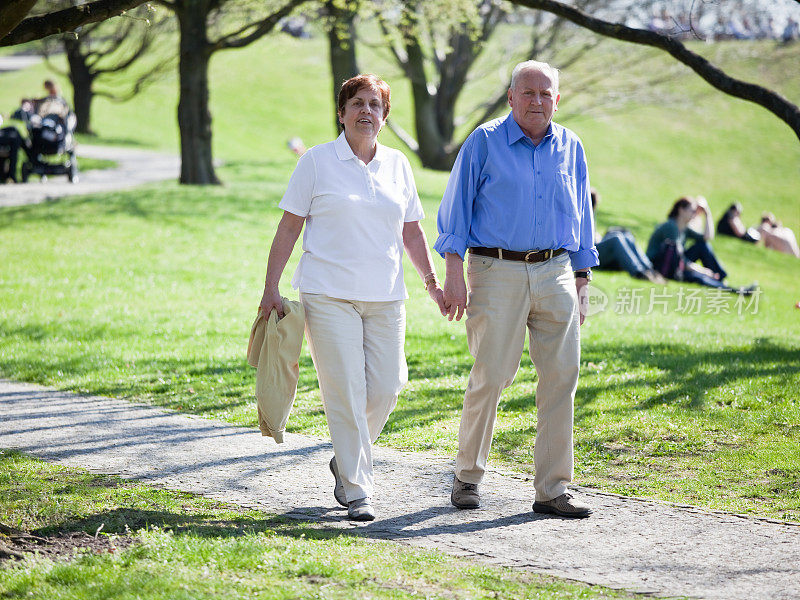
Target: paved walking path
<point>134,167</point>
<point>638,545</point>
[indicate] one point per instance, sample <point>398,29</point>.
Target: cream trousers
<point>505,297</point>
<point>357,349</point>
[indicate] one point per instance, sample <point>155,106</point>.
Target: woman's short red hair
<point>353,85</point>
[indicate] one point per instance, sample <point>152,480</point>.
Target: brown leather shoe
<point>465,495</point>
<point>563,506</point>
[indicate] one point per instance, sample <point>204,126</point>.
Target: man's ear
<point>558,97</point>
<point>509,98</point>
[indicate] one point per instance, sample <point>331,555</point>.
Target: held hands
<point>437,295</point>
<point>455,296</point>
<point>271,300</point>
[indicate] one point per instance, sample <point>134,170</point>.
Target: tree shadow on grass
<point>153,204</point>
<point>683,375</point>
<point>660,373</point>
<point>673,373</point>
<point>126,520</point>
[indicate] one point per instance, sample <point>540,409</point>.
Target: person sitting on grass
<point>618,251</point>
<point>731,224</point>
<point>668,252</point>
<point>778,237</point>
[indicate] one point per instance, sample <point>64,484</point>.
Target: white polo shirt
<point>353,237</point>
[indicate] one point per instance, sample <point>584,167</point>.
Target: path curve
<point>134,167</point>
<point>628,543</point>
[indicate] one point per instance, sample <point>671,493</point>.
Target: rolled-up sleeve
<point>455,212</point>
<point>586,255</point>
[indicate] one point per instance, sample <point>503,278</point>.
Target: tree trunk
<point>82,80</point>
<point>194,116</point>
<point>342,45</point>
<point>433,151</point>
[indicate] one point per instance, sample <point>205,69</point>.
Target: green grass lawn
<point>150,293</point>
<point>149,543</point>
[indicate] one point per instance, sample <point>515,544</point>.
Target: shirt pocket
<point>565,194</point>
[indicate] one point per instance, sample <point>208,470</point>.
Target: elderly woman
<point>360,206</point>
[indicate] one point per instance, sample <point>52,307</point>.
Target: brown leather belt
<point>534,256</point>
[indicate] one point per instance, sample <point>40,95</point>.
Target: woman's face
<point>363,113</point>
<point>688,212</point>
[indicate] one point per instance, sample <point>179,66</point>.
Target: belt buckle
<point>528,254</point>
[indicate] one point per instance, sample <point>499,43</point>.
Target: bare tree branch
<point>106,45</point>
<point>401,60</point>
<point>60,21</point>
<point>12,13</point>
<point>490,109</point>
<point>145,41</point>
<point>51,66</point>
<point>772,101</point>
<point>237,39</point>
<point>143,81</point>
<point>403,135</point>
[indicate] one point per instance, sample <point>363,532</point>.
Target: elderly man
<point>518,201</point>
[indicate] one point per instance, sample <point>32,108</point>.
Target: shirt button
<point>538,172</point>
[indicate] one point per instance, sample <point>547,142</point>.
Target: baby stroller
<point>10,142</point>
<point>52,147</point>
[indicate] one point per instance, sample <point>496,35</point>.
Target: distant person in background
<point>731,224</point>
<point>297,146</point>
<point>13,138</point>
<point>669,254</point>
<point>791,32</point>
<point>778,237</point>
<point>617,251</point>
<point>53,103</point>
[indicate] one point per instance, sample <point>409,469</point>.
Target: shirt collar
<point>515,132</point>
<point>345,152</point>
<point>343,149</point>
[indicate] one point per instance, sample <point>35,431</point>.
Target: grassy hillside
<point>150,293</point>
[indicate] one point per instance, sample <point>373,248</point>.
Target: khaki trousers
<point>357,349</point>
<point>505,297</point>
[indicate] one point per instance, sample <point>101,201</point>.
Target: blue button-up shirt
<point>504,192</point>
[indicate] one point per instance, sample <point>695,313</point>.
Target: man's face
<point>533,101</point>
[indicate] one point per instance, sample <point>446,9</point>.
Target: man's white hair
<point>535,65</point>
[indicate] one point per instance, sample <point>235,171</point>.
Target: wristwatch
<point>587,275</point>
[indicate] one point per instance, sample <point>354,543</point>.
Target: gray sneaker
<point>563,506</point>
<point>338,489</point>
<point>465,495</point>
<point>360,510</point>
